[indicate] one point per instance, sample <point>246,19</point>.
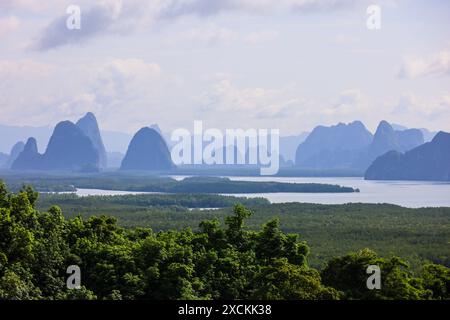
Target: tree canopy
<point>217,261</point>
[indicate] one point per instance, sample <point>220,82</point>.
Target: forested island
<point>150,183</point>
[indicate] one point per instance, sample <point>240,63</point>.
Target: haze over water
<point>411,194</point>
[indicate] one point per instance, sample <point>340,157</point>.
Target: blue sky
<point>287,64</point>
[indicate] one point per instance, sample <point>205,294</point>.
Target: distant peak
<point>64,124</point>
<point>357,123</point>
<point>441,136</point>
<point>384,126</point>
<point>19,144</point>
<point>147,130</point>
<point>31,145</point>
<point>31,140</point>
<point>88,117</point>
<point>384,123</point>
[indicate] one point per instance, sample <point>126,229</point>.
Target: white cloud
<point>175,8</point>
<point>348,104</point>
<point>430,109</point>
<point>289,108</point>
<point>124,92</point>
<point>37,6</point>
<point>8,25</point>
<point>121,17</point>
<point>23,69</point>
<point>415,67</point>
<point>261,36</point>
<point>23,87</point>
<point>224,96</point>
<point>210,35</point>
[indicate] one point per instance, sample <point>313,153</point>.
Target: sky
<point>285,64</point>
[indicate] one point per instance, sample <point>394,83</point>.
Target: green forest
<point>218,259</point>
<point>416,235</point>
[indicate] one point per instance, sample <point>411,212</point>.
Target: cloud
<point>23,69</point>
<point>176,8</point>
<point>123,81</point>
<point>225,98</point>
<point>96,20</point>
<point>210,34</point>
<point>431,109</point>
<point>8,25</point>
<point>22,87</point>
<point>261,36</point>
<point>348,103</point>
<point>121,17</point>
<point>436,65</point>
<point>351,97</point>
<point>123,92</point>
<point>34,6</point>
<point>320,5</point>
<point>288,107</point>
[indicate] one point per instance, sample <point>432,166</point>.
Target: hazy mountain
<point>384,140</point>
<point>352,146</point>
<point>430,161</point>
<point>337,146</point>
<point>156,128</point>
<point>409,139</point>
<point>398,127</point>
<point>89,125</point>
<point>387,139</point>
<point>15,151</point>
<point>147,151</point>
<point>289,145</point>
<point>427,134</point>
<point>69,149</point>
<point>113,140</point>
<point>9,135</point>
<point>29,158</point>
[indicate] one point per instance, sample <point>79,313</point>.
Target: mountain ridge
<point>429,161</point>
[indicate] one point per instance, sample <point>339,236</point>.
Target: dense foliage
<point>416,235</point>
<point>215,262</point>
<point>192,201</point>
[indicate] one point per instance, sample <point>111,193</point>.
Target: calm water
<point>99,192</point>
<point>413,194</point>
